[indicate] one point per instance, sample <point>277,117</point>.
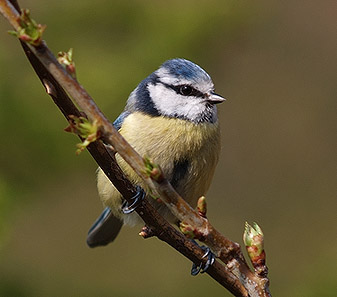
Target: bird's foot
<point>136,201</point>
<point>202,267</point>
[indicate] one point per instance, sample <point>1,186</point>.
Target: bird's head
<point>178,89</point>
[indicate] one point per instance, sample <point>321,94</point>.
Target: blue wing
<point>119,121</point>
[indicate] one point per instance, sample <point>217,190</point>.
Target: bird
<point>170,117</point>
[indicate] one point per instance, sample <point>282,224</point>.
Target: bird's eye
<point>186,90</point>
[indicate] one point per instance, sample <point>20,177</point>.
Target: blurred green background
<point>276,63</point>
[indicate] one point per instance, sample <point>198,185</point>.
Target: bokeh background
<point>276,63</point>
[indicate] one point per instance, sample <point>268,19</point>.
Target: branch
<point>235,275</point>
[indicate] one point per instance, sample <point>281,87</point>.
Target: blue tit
<point>171,117</point>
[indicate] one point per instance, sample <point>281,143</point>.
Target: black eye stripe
<point>194,92</point>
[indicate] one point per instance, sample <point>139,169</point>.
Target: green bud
<point>153,170</point>
<point>187,230</point>
<point>29,31</point>
<point>85,129</point>
<point>66,60</point>
<point>253,239</point>
<point>202,206</point>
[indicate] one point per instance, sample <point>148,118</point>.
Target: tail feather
<point>104,230</point>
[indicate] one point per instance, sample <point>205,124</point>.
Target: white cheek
<point>169,103</point>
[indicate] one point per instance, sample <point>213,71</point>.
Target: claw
<point>136,201</point>
<point>202,268</point>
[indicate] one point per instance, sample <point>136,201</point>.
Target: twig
<point>236,276</point>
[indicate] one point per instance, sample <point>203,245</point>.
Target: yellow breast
<point>167,141</point>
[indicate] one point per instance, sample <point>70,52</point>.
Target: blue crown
<point>182,68</point>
